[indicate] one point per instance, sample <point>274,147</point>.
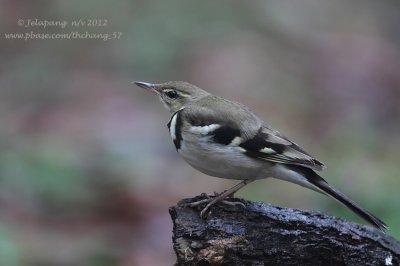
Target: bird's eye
<point>172,94</point>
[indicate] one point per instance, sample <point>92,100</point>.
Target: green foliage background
<point>87,169</point>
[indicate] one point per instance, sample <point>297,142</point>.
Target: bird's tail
<point>321,184</point>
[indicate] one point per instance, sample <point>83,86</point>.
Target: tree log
<point>262,234</point>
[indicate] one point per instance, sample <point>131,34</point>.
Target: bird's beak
<point>147,86</point>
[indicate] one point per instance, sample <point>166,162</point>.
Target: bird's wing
<point>235,125</point>
<point>268,144</point>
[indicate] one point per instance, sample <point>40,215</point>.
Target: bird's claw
<point>233,203</point>
<point>208,200</point>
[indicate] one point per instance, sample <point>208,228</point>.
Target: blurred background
<point>87,167</point>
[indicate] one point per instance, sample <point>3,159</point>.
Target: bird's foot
<point>199,202</point>
<point>211,200</point>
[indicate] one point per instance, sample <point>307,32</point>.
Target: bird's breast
<point>220,160</point>
<point>212,153</point>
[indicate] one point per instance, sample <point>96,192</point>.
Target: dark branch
<point>261,234</point>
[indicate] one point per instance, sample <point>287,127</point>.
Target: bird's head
<point>175,95</point>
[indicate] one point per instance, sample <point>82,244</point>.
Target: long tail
<point>320,183</point>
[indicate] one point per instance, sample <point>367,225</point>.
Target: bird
<point>225,139</point>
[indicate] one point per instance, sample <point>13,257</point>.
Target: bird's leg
<point>220,197</point>
<point>223,195</point>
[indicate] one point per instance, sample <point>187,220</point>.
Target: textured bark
<point>261,234</point>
